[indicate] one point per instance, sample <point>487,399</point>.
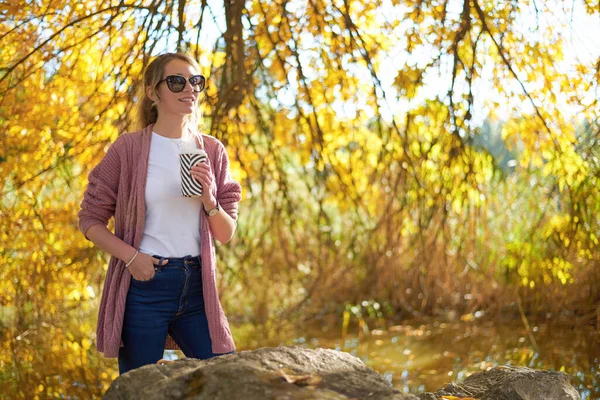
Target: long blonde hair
<point>147,111</point>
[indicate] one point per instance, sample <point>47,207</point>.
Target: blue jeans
<point>169,302</point>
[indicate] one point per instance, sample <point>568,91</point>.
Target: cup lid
<point>189,147</point>
<point>192,151</point>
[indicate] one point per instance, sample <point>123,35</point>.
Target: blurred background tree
<point>438,157</point>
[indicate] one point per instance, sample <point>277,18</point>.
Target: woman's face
<point>180,103</point>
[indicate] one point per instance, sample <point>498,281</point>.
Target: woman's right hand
<point>142,268</point>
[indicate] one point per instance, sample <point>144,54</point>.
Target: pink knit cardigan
<point>116,187</point>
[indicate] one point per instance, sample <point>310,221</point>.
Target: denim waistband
<point>174,261</point>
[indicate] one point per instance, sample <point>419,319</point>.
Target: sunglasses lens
<point>175,83</point>
<point>198,82</point>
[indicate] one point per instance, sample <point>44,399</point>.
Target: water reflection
<point>417,357</point>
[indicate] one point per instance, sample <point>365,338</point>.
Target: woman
<point>160,290</point>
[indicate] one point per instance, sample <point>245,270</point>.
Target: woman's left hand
<point>202,172</point>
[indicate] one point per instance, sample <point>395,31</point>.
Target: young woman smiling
<point>160,290</point>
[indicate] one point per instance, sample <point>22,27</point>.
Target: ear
<point>151,94</point>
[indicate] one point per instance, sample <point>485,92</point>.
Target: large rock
<point>287,372</point>
<point>510,383</point>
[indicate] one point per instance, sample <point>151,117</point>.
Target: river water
<point>416,357</point>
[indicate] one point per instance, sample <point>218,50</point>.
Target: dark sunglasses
<point>176,83</point>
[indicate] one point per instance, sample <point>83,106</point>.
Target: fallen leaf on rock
<point>456,398</point>
<point>300,380</point>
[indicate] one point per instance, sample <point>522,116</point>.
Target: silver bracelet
<point>133,258</point>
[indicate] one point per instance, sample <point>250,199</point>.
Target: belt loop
<point>160,262</point>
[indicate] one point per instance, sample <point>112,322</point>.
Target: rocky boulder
<point>287,372</point>
<point>509,383</point>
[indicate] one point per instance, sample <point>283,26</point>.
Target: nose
<point>188,87</point>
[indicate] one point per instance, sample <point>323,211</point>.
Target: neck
<point>170,126</point>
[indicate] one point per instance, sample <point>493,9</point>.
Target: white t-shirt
<point>172,227</point>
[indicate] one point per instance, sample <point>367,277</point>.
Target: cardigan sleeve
<point>229,191</point>
<point>100,197</point>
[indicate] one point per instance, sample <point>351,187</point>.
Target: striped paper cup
<point>190,187</point>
